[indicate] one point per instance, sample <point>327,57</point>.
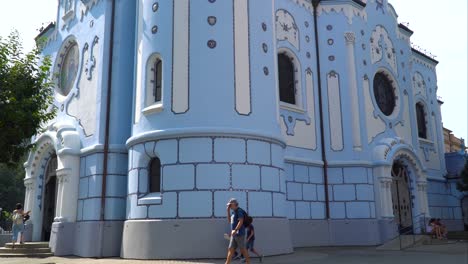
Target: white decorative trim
<point>286,28</point>
<point>86,6</point>
<point>348,10</point>
<point>152,109</point>
<point>382,48</point>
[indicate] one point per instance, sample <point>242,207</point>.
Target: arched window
<point>384,93</point>
<point>154,173</point>
<point>157,80</point>
<point>287,82</point>
<point>421,119</point>
<point>154,80</point>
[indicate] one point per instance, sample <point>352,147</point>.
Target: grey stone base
<point>361,232</point>
<point>5,238</point>
<point>28,230</point>
<point>87,239</point>
<point>62,238</point>
<point>197,238</point>
<point>98,239</point>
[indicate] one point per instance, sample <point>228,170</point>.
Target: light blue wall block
<point>115,208</point>
<point>94,164</point>
<point>302,210</point>
<point>294,191</point>
<point>335,176</point>
<point>116,185</point>
<point>82,166</point>
<point>79,210</point>
<point>117,163</point>
<point>289,171</point>
<point>178,177</point>
<point>282,181</point>
<point>260,204</point>
<point>310,192</point>
<point>139,156</point>
<point>457,213</point>
<point>83,188</point>
<point>92,209</point>
<point>358,210</point>
<point>136,212</point>
<point>195,204</point>
<point>168,208</point>
<point>337,210</point>
<point>222,198</point>
<point>372,209</point>
<point>317,210</point>
<point>229,150</point>
<point>270,179</point>
<point>143,182</point>
<point>344,192</point>
<point>291,209</point>
<point>94,186</point>
<point>132,181</point>
<point>258,152</point>
<point>301,173</point>
<point>321,193</point>
<point>195,150</point>
<point>370,176</point>
<point>166,150</point>
<point>246,177</point>
<point>365,192</point>
<point>277,156</point>
<point>355,175</point>
<point>315,175</point>
<point>213,176</point>
<point>279,204</point>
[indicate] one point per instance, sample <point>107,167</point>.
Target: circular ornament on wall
<point>264,27</point>
<point>211,20</point>
<point>155,7</point>
<point>68,67</point>
<point>211,44</point>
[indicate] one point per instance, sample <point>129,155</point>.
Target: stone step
<point>24,250</point>
<point>22,255</point>
<point>460,235</point>
<point>29,245</point>
<point>402,242</point>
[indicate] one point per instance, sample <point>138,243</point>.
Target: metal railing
<point>418,228</point>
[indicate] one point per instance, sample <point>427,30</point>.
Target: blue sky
<point>439,27</point>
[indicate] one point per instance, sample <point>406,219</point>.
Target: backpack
<point>247,219</point>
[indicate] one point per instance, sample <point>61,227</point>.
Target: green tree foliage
<point>26,98</point>
<point>462,186</point>
<point>11,188</point>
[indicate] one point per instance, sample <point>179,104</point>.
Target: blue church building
<point>318,116</point>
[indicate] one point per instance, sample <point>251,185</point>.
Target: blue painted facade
<point>220,130</point>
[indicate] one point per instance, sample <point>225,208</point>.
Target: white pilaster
<point>29,184</point>
<point>67,195</point>
<point>351,66</point>
<point>241,57</point>
<point>180,73</point>
<point>422,196</point>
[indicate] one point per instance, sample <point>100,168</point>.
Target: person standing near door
<point>18,225</point>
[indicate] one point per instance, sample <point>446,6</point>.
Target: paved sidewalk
<point>456,253</point>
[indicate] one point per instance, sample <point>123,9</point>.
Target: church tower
<point>205,129</point>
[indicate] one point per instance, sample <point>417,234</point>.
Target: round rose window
<point>384,94</point>
<point>68,69</point>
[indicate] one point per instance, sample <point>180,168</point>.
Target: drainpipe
<point>108,108</point>
<point>315,4</point>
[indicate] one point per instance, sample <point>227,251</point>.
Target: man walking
<point>235,216</point>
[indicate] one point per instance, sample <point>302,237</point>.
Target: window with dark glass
<point>155,175</point>
<point>286,77</point>
<point>157,80</point>
<point>421,119</point>
<point>384,94</point>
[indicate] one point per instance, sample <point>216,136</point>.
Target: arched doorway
<point>401,197</point>
<point>50,197</point>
